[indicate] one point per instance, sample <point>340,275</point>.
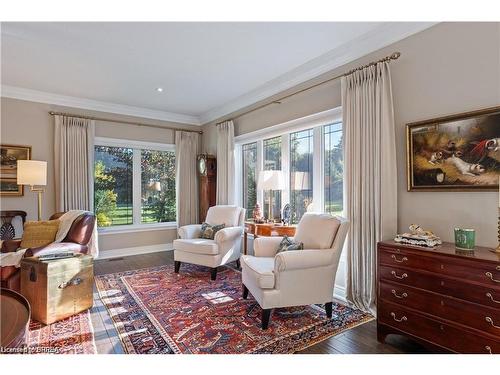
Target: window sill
<point>136,228</point>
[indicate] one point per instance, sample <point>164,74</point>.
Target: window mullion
<point>136,186</point>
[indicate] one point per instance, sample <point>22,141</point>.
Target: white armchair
<point>300,277</point>
<point>224,248</point>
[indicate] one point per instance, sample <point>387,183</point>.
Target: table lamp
<point>300,181</point>
<point>154,186</point>
<point>33,172</point>
<point>271,180</point>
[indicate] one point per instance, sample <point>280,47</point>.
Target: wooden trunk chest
<point>444,298</point>
<point>57,289</point>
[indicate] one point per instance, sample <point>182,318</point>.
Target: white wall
<point>449,68</point>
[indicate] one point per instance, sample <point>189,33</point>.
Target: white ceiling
<point>206,70</point>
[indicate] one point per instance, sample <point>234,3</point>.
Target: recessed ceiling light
<point>159,89</point>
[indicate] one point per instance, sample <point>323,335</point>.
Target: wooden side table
<point>267,230</point>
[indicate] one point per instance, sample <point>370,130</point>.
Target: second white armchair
<point>224,248</point>
<point>299,277</point>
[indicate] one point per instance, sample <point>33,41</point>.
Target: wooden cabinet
<point>57,289</point>
<point>266,230</point>
<point>207,172</point>
<point>440,297</point>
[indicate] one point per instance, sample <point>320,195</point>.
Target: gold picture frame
<point>454,153</point>
<point>9,154</point>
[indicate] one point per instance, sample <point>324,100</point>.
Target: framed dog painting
<point>9,155</point>
<point>459,152</point>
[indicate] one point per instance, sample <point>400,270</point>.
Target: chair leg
<point>328,309</point>
<point>266,317</point>
<point>245,291</point>
<point>213,273</point>
<point>177,266</point>
<point>238,264</point>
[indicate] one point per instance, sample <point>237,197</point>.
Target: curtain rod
<point>125,122</point>
<point>393,56</point>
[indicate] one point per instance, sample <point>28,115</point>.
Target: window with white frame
<point>301,173</point>
<point>134,183</point>
<point>272,161</point>
<point>309,152</point>
<point>249,174</point>
<point>333,169</point>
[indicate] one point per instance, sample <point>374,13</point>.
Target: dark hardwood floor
<point>359,340</point>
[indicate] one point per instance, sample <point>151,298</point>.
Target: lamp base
<point>497,250</point>
<point>39,192</point>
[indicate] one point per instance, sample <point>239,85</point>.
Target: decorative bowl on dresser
<point>57,289</point>
<point>445,299</point>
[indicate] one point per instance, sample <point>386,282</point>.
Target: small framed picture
<point>455,153</point>
<point>9,155</point>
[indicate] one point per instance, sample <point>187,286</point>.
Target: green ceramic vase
<point>465,239</point>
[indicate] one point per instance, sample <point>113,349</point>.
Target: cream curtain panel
<point>74,163</point>
<point>186,151</point>
<point>225,163</point>
<point>371,177</point>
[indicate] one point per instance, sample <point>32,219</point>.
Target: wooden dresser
<point>447,300</point>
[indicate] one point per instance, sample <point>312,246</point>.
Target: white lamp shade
<point>300,181</point>
<point>155,186</point>
<point>31,172</point>
<point>271,180</point>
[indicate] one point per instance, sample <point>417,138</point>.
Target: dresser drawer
<point>482,318</point>
<point>483,295</point>
<point>461,268</point>
<point>436,332</point>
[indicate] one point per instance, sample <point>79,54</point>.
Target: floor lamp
<point>271,180</point>
<point>33,172</point>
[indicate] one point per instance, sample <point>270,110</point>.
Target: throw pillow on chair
<point>287,244</point>
<point>39,233</point>
<point>208,231</point>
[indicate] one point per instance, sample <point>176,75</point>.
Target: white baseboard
<point>128,251</point>
<point>339,293</point>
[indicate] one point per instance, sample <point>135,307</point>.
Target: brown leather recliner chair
<point>76,240</point>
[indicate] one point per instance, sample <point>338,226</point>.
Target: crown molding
<point>367,43</point>
<point>372,41</point>
<point>95,105</point>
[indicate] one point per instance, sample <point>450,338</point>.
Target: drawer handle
<point>490,275</point>
<point>488,349</point>
<point>75,281</point>
<point>404,275</point>
<point>403,318</point>
<point>404,259</point>
<point>491,297</point>
<point>489,320</point>
<point>404,295</point>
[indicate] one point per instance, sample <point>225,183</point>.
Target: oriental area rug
<point>158,311</point>
<point>73,335</point>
